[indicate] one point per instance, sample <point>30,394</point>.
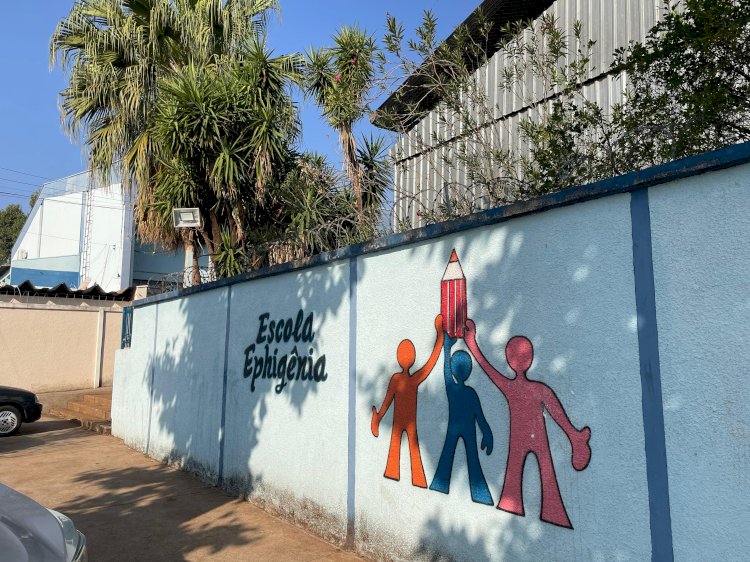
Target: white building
<point>81,234</point>
<point>425,168</point>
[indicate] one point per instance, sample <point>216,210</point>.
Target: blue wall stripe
<point>653,411</point>
<point>223,426</point>
<point>151,380</point>
<point>352,440</point>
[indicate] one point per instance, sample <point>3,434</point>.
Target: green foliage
<point>231,260</point>
<point>322,208</point>
<point>118,55</point>
<point>688,92</point>
<point>467,134</point>
<point>183,99</point>
<point>689,82</point>
<point>339,79</point>
<point>12,219</point>
<point>225,134</point>
<point>33,198</point>
<point>372,154</point>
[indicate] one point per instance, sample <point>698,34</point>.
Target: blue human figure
<point>464,413</point>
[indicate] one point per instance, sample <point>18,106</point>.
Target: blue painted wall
<point>634,294</point>
<point>44,278</point>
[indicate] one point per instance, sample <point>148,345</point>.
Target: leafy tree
<point>339,79</point>
<point>12,219</point>
<point>224,134</point>
<point>321,210</point>
<point>689,82</point>
<point>466,134</point>
<point>118,53</point>
<point>33,198</point>
<point>688,92</point>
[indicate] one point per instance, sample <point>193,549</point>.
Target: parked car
<point>32,533</point>
<point>17,407</point>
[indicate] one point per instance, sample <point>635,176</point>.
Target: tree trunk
<point>349,145</point>
<point>192,247</point>
<point>215,246</point>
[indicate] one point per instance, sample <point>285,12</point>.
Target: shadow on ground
<point>154,513</point>
<point>30,435</point>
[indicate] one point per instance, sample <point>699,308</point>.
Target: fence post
<point>99,348</point>
<point>127,327</point>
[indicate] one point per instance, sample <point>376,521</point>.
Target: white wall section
<point>209,382</point>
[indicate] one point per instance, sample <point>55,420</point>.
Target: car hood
<point>18,392</point>
<point>28,532</point>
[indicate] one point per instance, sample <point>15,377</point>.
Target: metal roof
<point>95,292</point>
<point>499,13</point>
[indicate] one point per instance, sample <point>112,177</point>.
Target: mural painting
<point>464,413</point>
<point>527,401</point>
<point>402,392</point>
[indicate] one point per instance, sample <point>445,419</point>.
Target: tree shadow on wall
<point>185,375</point>
<point>524,278</point>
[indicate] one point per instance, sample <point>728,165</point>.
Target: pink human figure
<point>527,401</point>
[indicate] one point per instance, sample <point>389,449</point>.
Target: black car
<point>16,407</point>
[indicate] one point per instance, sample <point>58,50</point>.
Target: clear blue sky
<point>31,138</point>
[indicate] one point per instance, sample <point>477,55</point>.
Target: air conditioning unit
<point>186,218</point>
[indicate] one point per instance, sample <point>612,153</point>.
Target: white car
<point>32,533</point>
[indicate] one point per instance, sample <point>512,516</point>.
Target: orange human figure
<point>527,401</point>
<point>402,391</point>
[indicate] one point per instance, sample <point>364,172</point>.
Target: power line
<point>71,239</point>
<point>23,182</point>
<point>26,173</point>
<point>56,193</point>
<point>66,179</point>
<point>124,206</point>
<point>44,193</point>
<point>43,177</point>
<point>44,189</point>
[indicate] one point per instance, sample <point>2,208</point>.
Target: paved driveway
<point>132,508</point>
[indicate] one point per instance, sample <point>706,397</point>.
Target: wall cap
<point>728,157</point>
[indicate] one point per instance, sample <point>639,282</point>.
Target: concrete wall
<point>110,344</point>
<point>564,279</point>
<point>634,299</point>
<point>702,272</point>
<point>46,347</point>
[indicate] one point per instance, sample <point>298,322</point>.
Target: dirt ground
<point>132,508</point>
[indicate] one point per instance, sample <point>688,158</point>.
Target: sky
<point>33,146</point>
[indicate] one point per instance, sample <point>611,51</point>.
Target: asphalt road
<point>132,508</point>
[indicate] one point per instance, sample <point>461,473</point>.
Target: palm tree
<point>224,134</point>
<point>339,79</point>
<point>117,54</point>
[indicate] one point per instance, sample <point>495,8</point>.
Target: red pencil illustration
<point>453,298</point>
